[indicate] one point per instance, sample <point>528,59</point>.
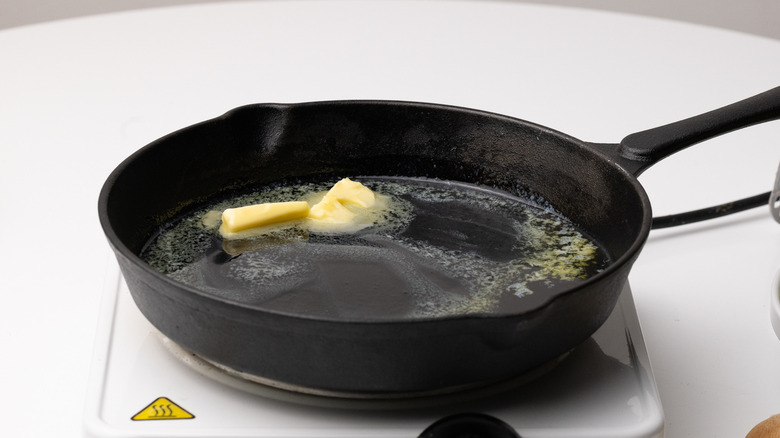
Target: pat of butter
<point>331,210</point>
<point>258,215</point>
<point>344,205</point>
<point>347,191</point>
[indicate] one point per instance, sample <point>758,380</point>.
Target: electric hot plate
<point>144,385</point>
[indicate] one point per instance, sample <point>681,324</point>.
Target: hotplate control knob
<point>469,426</point>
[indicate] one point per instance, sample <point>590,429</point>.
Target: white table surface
<point>78,96</point>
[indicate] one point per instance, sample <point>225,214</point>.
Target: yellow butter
<point>331,210</point>
<point>347,191</point>
<point>344,205</point>
<point>258,215</point>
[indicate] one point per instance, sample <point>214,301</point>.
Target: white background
<point>759,17</point>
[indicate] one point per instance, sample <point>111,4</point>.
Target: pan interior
<point>440,249</point>
<point>433,147</point>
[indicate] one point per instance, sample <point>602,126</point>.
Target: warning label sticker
<point>162,409</point>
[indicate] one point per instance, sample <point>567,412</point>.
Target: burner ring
<point>281,391</point>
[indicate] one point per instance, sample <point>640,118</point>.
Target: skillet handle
<point>640,150</point>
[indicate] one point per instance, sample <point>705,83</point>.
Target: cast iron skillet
<point>594,185</point>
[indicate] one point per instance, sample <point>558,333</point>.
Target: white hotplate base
<point>603,388</point>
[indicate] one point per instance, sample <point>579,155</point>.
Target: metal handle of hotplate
<point>722,210</point>
<point>772,198</point>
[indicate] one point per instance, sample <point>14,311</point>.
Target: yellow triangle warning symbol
<point>162,409</point>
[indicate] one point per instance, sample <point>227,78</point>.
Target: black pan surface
<point>374,347</point>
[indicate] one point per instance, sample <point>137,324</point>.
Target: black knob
<point>469,426</point>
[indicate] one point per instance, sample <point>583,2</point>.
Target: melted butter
<point>429,249</point>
